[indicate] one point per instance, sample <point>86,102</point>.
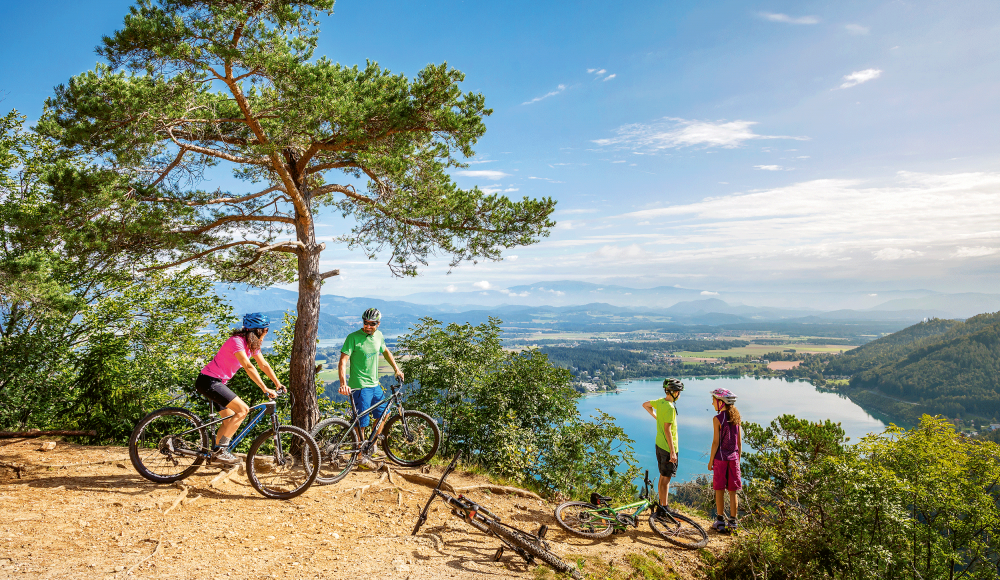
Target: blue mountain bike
<point>171,443</point>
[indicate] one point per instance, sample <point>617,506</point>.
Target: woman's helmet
<point>256,320</point>
<point>671,385</point>
<point>725,395</point>
<point>372,314</point>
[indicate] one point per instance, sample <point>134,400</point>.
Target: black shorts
<point>215,391</point>
<point>667,467</point>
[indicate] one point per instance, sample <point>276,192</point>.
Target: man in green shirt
<point>665,413</point>
<point>361,350</point>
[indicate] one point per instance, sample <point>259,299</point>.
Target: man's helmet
<point>670,385</point>
<point>725,395</point>
<point>372,314</point>
<point>256,320</point>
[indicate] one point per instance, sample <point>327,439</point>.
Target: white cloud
<point>512,294</point>
<point>620,254</point>
<point>974,252</point>
<point>828,226</point>
<point>499,189</point>
<point>484,173</point>
<point>558,90</point>
<point>609,77</point>
<point>789,19</point>
<point>573,211</point>
<point>707,293</point>
<point>769,167</point>
<point>873,295</point>
<point>451,288</point>
<point>857,29</point>
<point>896,254</point>
<point>545,179</point>
<point>671,132</point>
<point>511,258</point>
<point>484,285</point>
<point>597,72</point>
<point>861,76</point>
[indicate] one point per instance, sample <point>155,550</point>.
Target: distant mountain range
<point>608,308</point>
<point>570,293</point>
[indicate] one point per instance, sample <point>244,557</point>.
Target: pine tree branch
<point>213,201</point>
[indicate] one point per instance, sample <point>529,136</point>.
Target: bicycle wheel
<point>286,475</point>
<point>532,547</point>
<point>338,449</point>
<point>679,530</point>
<point>419,447</point>
<point>578,517</point>
<point>165,445</point>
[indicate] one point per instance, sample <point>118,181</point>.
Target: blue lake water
<point>759,401</point>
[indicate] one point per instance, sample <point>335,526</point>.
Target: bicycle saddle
<point>598,499</point>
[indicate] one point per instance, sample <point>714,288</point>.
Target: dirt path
<point>83,512</point>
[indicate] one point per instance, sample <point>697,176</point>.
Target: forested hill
<point>888,348</point>
<point>954,373</point>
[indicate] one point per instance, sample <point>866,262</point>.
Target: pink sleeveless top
<point>225,364</point>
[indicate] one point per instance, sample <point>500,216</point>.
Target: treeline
<point>954,373</point>
<point>919,503</point>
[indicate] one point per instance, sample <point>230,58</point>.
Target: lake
<point>759,400</point>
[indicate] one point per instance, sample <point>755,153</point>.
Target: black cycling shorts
<point>667,467</point>
<point>215,391</point>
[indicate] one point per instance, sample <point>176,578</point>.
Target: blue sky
<point>711,145</point>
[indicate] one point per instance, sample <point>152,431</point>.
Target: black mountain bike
<point>526,545</point>
<point>170,444</point>
<point>409,438</point>
<point>597,519</point>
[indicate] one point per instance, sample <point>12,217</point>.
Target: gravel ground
<point>83,512</point>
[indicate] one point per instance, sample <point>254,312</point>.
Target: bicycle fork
<point>279,456</point>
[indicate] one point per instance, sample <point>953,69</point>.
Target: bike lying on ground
<point>528,546</point>
<point>598,520</point>
<point>170,444</point>
<point>409,439</point>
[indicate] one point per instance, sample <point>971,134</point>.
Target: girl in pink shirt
<point>211,383</point>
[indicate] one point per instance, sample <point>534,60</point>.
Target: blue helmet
<point>256,320</point>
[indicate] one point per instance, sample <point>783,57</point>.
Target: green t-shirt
<point>363,350</point>
<point>665,413</point>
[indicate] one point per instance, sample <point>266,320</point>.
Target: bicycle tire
<point>420,447</point>
<point>290,475</point>
<point>153,444</point>
<point>574,521</point>
<point>529,545</point>
<point>686,533</point>
<point>338,451</point>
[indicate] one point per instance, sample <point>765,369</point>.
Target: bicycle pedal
<point>542,531</point>
<point>498,555</point>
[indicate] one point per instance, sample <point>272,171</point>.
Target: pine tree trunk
<point>305,411</point>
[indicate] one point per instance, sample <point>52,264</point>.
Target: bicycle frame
<point>389,402</point>
<point>470,512</point>
<point>610,514</point>
<point>266,408</point>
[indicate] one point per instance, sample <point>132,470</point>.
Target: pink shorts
<point>726,475</point>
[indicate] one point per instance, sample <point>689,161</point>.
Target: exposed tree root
<point>425,480</point>
<point>500,489</point>
<point>223,477</point>
<point>179,499</point>
<point>159,543</point>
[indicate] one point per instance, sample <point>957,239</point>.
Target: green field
<point>759,350</point>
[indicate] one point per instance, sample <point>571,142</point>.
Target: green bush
<point>513,413</point>
<point>901,504</point>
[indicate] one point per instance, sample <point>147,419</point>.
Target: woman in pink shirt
<point>211,383</point>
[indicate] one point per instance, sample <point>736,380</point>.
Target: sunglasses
<point>370,323</point>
